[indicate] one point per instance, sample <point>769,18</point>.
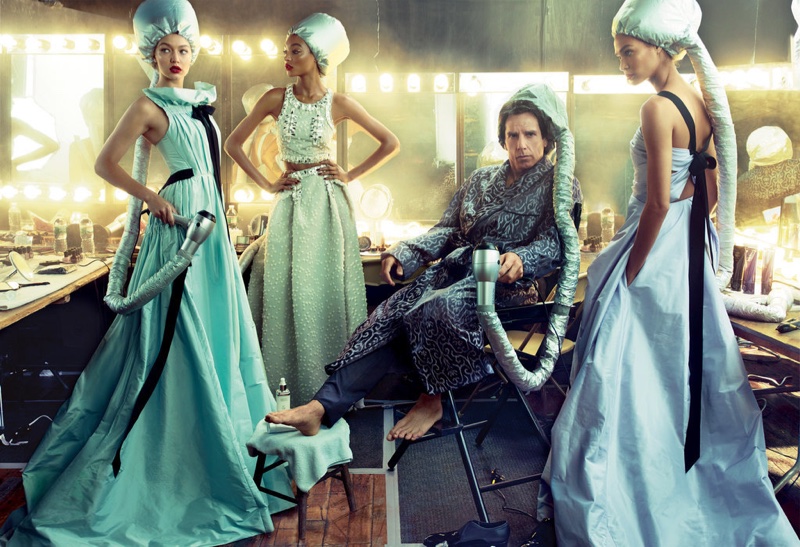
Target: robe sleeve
<point>415,252</point>
<point>543,254</point>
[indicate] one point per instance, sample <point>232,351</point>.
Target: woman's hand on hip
<point>285,182</point>
<point>330,170</point>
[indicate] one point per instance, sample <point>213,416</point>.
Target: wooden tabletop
<point>766,336</point>
<point>62,295</point>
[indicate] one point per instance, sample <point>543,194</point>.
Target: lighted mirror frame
<point>55,117</point>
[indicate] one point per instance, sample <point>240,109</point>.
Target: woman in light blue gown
<point>660,440</point>
<point>184,477</point>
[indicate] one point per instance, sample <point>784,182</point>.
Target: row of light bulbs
<point>51,43</point>
<point>78,194</point>
<point>240,193</point>
<point>91,43</point>
<point>358,83</point>
<point>211,45</point>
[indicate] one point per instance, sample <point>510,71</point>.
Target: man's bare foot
<point>426,412</point>
<point>307,419</point>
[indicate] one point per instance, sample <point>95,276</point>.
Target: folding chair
<point>526,343</point>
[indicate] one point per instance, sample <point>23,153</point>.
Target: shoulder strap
<point>686,117</point>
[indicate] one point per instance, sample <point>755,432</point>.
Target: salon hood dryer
<point>485,268</point>
<point>198,229</point>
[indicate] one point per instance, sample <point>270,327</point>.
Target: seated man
<point>431,326</point>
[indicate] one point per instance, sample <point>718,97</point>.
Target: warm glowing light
<point>120,42</point>
<point>441,83</point>
<point>215,48</point>
<point>36,45</point>
<point>8,191</point>
<point>359,84</point>
<point>7,42</point>
<point>473,86</point>
<point>206,41</point>
<point>64,43</point>
<point>269,47</point>
<point>386,82</point>
<point>57,193</point>
<point>81,194</point>
<point>240,48</point>
<point>120,194</point>
<point>413,83</point>
<point>31,191</point>
<point>86,44</point>
<point>768,76</point>
<point>267,196</point>
<point>242,193</point>
<point>616,84</point>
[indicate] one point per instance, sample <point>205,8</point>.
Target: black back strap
<point>699,225</point>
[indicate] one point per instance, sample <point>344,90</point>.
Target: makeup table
<point>786,344</point>
<point>19,304</point>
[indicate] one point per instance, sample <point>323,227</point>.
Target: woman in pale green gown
<point>306,285</point>
<point>184,476</point>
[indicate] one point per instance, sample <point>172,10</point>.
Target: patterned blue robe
<point>437,310</point>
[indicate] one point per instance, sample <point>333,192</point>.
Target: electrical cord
<point>18,437</point>
<point>496,477</point>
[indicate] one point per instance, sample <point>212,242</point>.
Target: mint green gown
<point>185,479</point>
<point>306,286</point>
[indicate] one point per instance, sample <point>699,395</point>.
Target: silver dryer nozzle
<point>197,230</point>
<point>485,267</point>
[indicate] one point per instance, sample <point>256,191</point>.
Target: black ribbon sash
<point>203,114</point>
<point>699,226</point>
<point>158,367</point>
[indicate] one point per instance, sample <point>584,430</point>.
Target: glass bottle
<point>87,235</point>
<point>14,219</point>
<point>59,233</point>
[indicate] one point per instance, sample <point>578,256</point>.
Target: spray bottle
<point>283,396</point>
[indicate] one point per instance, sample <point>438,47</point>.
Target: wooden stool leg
<point>348,488</point>
<point>302,510</point>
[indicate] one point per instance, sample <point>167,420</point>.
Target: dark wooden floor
<point>330,522</point>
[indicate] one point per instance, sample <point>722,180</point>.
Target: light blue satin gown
<point>186,478</point>
<point>616,470</point>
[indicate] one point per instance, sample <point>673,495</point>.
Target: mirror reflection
<point>421,111</point>
<point>56,129</point>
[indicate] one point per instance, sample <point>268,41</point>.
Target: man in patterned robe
<point>430,326</point>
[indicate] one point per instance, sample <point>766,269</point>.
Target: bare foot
<point>307,419</point>
<point>419,419</point>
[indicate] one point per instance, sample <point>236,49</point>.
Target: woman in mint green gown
<point>185,477</point>
<point>306,286</point>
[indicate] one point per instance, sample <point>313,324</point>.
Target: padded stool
<point>310,460</point>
